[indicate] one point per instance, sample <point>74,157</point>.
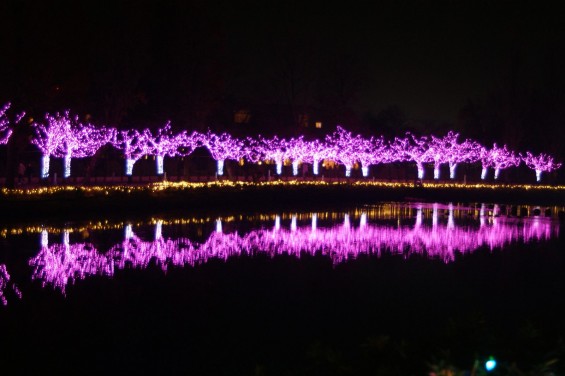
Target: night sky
<point>195,62</point>
<point>427,57</point>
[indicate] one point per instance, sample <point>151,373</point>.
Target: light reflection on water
<point>431,230</point>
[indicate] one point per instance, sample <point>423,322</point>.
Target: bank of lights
<point>89,191</point>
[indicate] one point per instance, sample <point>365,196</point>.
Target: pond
<point>393,288</point>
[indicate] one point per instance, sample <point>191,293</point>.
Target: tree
<point>5,129</point>
<point>134,144</point>
<point>165,143</point>
<point>540,163</point>
<point>297,151</point>
<point>317,151</point>
<point>80,140</point>
<point>50,137</point>
<point>373,151</point>
<point>447,150</point>
<point>273,149</point>
<point>412,148</point>
<point>343,148</point>
<point>222,147</point>
<point>498,158</point>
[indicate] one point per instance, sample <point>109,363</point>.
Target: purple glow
<point>65,137</point>
<point>540,163</point>
<point>135,145</point>
<point>372,151</point>
<point>5,129</point>
<point>298,151</point>
<point>317,151</point>
<point>275,149</point>
<point>498,158</point>
<point>164,143</point>
<point>5,283</point>
<point>448,150</point>
<point>223,147</point>
<point>79,140</point>
<point>412,148</point>
<point>49,138</point>
<point>432,234</point>
<point>343,148</point>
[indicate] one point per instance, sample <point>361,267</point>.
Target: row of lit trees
<point>65,136</point>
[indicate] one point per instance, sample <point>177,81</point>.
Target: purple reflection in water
<point>61,264</point>
<point>5,284</point>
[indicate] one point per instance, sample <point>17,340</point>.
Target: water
<point>390,289</point>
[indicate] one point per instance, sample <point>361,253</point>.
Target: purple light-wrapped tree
<point>317,151</point>
<point>252,150</point>
<point>343,147</point>
<point>222,147</point>
<point>447,150</point>
<point>466,152</point>
<point>5,128</point>
<point>49,138</point>
<point>373,151</point>
<point>273,149</point>
<point>437,151</point>
<point>412,148</point>
<point>165,143</point>
<point>80,140</point>
<point>298,151</point>
<point>498,158</point>
<point>135,145</point>
<point>540,163</point>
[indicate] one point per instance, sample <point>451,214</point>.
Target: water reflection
<point>439,231</point>
<point>5,285</point>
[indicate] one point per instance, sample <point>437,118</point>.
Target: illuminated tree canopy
<point>414,149</point>
<point>540,163</point>
<point>5,123</point>
<point>135,145</point>
<point>222,147</point>
<point>497,158</point>
<point>64,136</point>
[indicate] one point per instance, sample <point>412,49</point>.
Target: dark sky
<point>427,57</point>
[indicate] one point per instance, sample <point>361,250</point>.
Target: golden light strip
<point>172,186</point>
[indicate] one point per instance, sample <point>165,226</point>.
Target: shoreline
<point>110,201</point>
